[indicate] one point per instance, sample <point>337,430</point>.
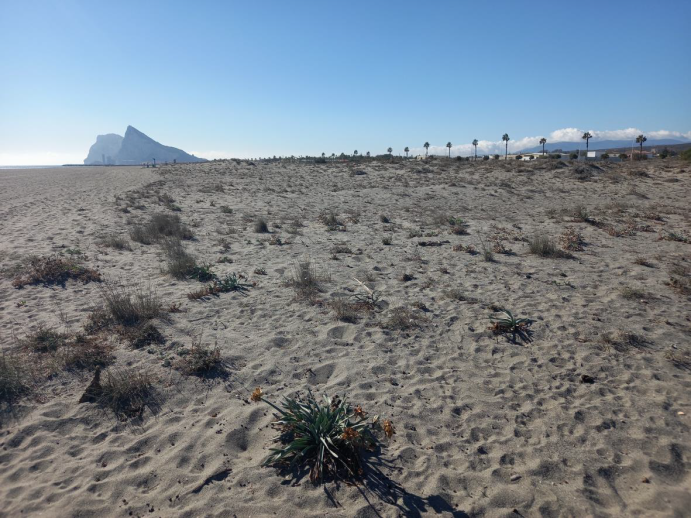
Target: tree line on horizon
<point>640,139</point>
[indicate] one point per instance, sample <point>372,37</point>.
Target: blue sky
<point>273,77</point>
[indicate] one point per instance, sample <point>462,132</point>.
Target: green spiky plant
<point>509,324</point>
<point>226,284</point>
<point>328,437</point>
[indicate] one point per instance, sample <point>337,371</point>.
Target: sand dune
<point>484,426</point>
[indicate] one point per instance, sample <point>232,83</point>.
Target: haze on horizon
<point>231,79</point>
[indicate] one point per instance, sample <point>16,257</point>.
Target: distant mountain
<point>104,150</point>
<point>134,148</point>
<point>600,144</point>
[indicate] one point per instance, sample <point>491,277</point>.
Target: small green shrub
<point>508,324</point>
<point>329,437</point>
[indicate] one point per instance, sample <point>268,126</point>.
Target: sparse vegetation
<point>307,279</point>
<point>159,227</point>
<point>127,392</point>
<point>544,247</point>
<point>572,240</point>
<point>127,306</point>
<point>633,293</point>
<point>261,226</point>
<point>15,378</point>
<point>54,270</point>
<point>402,318</point>
<point>201,360</point>
<point>115,242</point>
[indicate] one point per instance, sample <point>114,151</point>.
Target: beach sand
<point>484,426</point>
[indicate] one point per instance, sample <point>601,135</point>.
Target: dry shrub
<point>44,340</point>
<point>183,265</point>
<point>642,261</point>
<point>261,226</point>
<point>331,221</point>
<point>456,294</point>
<point>680,359</point>
<point>15,378</point>
<point>116,242</point>
<point>84,353</point>
<point>572,240</point>
<point>349,311</point>
<point>680,279</point>
<point>624,341</point>
<point>146,335</point>
<point>544,247</point>
<point>54,270</point>
<point>127,392</point>
<point>127,306</point>
<point>633,294</point>
<point>201,360</point>
<point>402,318</point>
<point>159,227</point>
<point>307,280</point>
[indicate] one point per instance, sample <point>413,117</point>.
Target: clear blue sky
<point>256,78</point>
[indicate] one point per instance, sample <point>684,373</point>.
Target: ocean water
<point>27,166</point>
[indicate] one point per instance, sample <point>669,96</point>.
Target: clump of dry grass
<point>15,377</point>
<point>159,227</point>
<point>44,340</point>
<point>50,351</point>
<point>145,335</point>
<point>331,221</point>
<point>201,360</point>
<point>54,270</point>
<point>623,341</point>
<point>680,279</point>
<point>261,226</point>
<point>307,280</point>
<point>116,242</point>
<point>543,246</point>
<point>183,265</point>
<point>128,306</point>
<point>127,392</point>
<point>642,261</point>
<point>455,294</point>
<point>349,310</point>
<point>572,240</point>
<point>402,318</point>
<point>680,359</point>
<point>633,293</point>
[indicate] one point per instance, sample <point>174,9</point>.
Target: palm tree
<point>586,136</point>
<point>368,154</point>
<point>475,144</point>
<point>506,139</point>
<point>639,140</point>
<point>543,141</point>
<point>426,146</point>
<point>448,144</point>
<point>323,155</point>
<point>390,152</point>
<point>355,153</point>
<point>406,151</point>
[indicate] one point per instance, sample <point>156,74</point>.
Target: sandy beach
<point>588,416</point>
